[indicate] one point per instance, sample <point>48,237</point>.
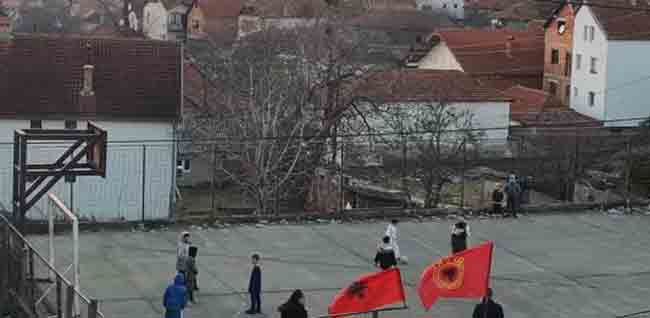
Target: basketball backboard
<point>97,155</point>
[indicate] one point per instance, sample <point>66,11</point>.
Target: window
<point>567,94</point>
<point>592,30</point>
<point>586,33</point>
<point>594,64</point>
<point>455,5</point>
<point>70,124</point>
<point>183,165</point>
<point>567,64</point>
<point>195,24</point>
<point>444,6</point>
<point>578,61</point>
<point>552,88</point>
<point>591,99</point>
<point>35,124</point>
<point>561,26</point>
<point>575,92</point>
<point>555,56</point>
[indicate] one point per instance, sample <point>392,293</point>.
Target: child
<point>459,234</point>
<point>182,252</point>
<point>255,286</point>
<point>385,257</point>
<point>190,274</point>
<point>175,298</point>
<point>391,231</point>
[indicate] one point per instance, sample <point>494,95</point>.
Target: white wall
<point>154,21</point>
<point>486,115</point>
<point>454,8</point>
<point>117,196</point>
<point>628,85</point>
<point>581,78</point>
<point>440,58</point>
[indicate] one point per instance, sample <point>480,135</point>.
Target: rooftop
<point>416,85</point>
<point>133,78</point>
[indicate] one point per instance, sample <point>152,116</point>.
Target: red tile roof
<point>486,51</point>
<point>42,77</point>
<point>532,107</point>
<point>417,85</point>
<point>621,20</point>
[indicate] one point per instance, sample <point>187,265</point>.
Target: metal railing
<point>31,287</point>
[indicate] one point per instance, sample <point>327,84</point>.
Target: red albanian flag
<point>463,275</point>
<point>368,292</point>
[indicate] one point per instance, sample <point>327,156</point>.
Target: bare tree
<point>273,102</point>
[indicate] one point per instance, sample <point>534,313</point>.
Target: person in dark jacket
<point>459,234</point>
<point>385,257</point>
<point>295,307</point>
<point>513,193</point>
<point>494,310</point>
<point>255,286</point>
<point>497,200</point>
<point>175,298</point>
<point>191,273</point>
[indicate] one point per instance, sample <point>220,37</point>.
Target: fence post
<point>144,177</point>
<point>59,302</point>
<point>213,190</point>
<point>628,173</point>
<point>92,308</point>
<point>69,302</point>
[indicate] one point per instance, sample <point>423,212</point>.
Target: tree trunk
<point>438,195</point>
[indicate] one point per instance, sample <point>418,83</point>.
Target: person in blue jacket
<point>175,298</point>
<point>255,286</point>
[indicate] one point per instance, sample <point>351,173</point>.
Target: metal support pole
<point>69,302</point>
<point>628,173</point>
<point>59,302</point>
<point>144,178</point>
<point>32,279</point>
<point>213,195</point>
<point>93,308</point>
<point>462,177</point>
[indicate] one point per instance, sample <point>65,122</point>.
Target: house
<point>558,41</point>
<point>412,89</point>
<point>136,89</point>
<point>155,20</point>
<point>610,64</point>
<point>177,20</point>
<point>503,57</point>
<point>455,9</point>
<point>536,108</point>
<point>215,20</point>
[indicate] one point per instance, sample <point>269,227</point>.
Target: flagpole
<point>487,284</point>
<point>376,311</point>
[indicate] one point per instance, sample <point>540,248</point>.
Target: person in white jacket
<point>393,233</point>
<point>183,251</point>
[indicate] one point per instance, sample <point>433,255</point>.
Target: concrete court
<point>574,266</point>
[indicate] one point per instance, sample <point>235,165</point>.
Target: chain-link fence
<point>31,287</point>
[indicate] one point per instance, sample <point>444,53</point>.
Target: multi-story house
<point>558,41</point>
<point>610,62</point>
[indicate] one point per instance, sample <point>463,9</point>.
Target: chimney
<point>87,99</point>
<point>509,46</point>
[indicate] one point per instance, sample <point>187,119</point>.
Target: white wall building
<point>154,20</point>
<point>454,8</point>
<point>610,64</point>
<point>136,99</point>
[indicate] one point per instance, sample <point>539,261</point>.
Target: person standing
<point>459,234</point>
<point>183,252</point>
<point>191,273</point>
<point>392,233</point>
<point>255,286</point>
<point>497,200</point>
<point>488,308</point>
<point>513,191</point>
<point>385,257</point>
<point>295,307</point>
<point>175,298</point>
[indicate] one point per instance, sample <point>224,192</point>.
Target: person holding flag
<point>488,308</point>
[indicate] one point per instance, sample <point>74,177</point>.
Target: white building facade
<point>154,20</point>
<point>609,78</point>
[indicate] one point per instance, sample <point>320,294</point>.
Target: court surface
<point>574,266</point>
